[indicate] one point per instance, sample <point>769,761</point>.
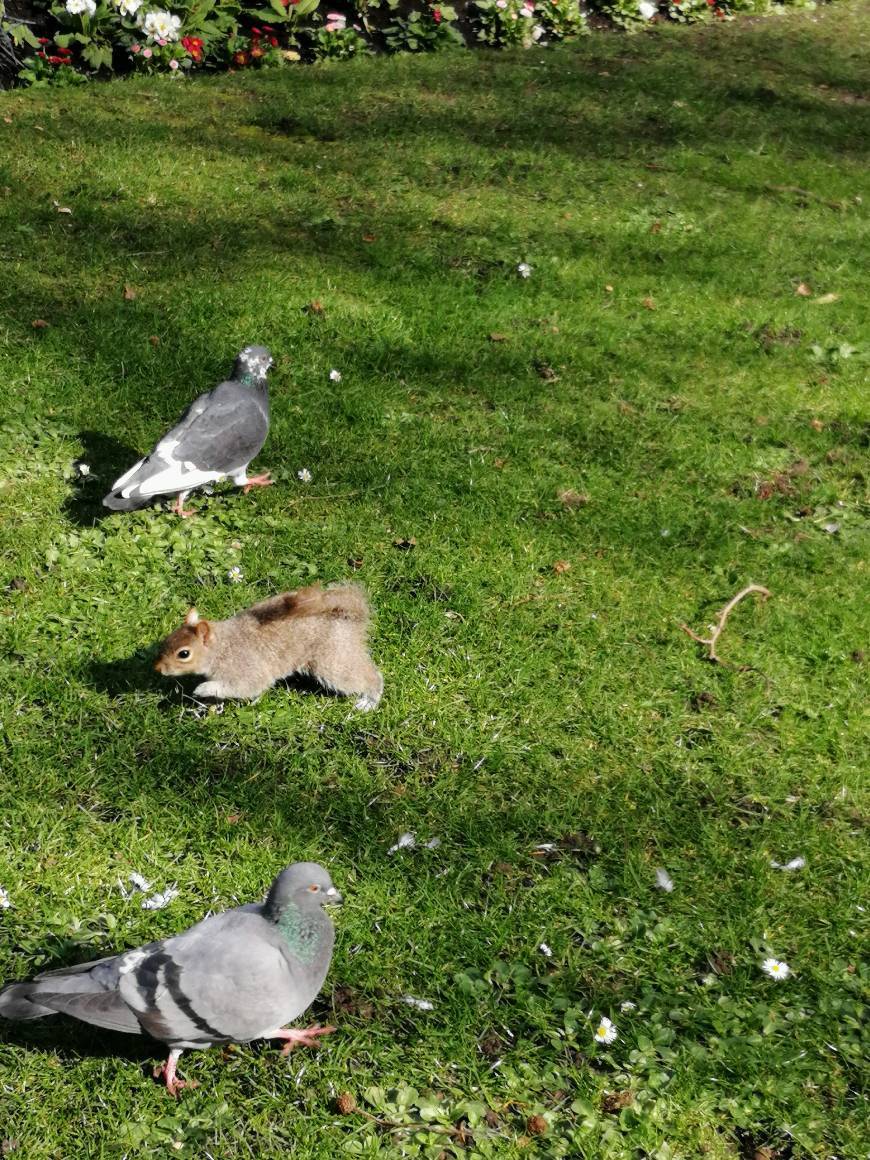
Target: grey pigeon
<point>234,977</point>
<point>218,436</point>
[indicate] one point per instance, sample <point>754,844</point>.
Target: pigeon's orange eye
<point>314,888</point>
<point>183,654</point>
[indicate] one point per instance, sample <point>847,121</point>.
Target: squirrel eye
<point>183,654</point>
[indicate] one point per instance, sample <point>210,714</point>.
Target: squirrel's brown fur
<point>318,631</point>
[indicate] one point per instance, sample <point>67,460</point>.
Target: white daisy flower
<point>161,25</point>
<point>129,7</point>
<point>538,31</point>
<point>81,7</point>
<point>628,1006</point>
<point>776,968</point>
<point>305,475</point>
<point>83,468</point>
<point>647,10</point>
<point>5,901</point>
<point>335,375</point>
<point>235,575</point>
<point>605,1032</point>
<point>524,270</point>
<point>545,950</point>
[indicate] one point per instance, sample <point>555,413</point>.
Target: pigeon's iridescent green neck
<point>302,932</point>
<point>249,380</point>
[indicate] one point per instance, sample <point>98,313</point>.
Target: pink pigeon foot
<point>166,1072</point>
<point>305,1037</point>
<point>263,480</point>
<point>179,509</point>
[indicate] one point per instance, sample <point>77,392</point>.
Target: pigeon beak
<point>333,897</point>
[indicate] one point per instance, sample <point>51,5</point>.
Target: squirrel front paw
<point>208,689</point>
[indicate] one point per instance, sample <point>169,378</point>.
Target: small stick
<point>712,640</point>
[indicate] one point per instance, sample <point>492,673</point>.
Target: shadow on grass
<point>107,458</point>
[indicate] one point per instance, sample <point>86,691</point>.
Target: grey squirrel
<point>317,631</point>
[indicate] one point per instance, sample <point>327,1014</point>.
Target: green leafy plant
<point>428,31</point>
<point>501,23</point>
<point>336,41</point>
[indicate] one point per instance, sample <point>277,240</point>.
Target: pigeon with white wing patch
<point>215,439</point>
<point>234,977</point>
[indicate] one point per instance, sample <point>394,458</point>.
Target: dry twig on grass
<point>716,630</point>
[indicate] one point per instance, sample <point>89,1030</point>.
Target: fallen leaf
<point>495,336</point>
<point>129,293</point>
<point>405,544</point>
<point>536,1126</point>
<point>572,499</point>
<point>826,299</point>
<point>370,237</point>
<point>61,208</point>
<point>625,408</point>
<point>39,324</point>
<point>561,566</point>
<point>609,288</point>
<point>803,290</point>
<point>7,120</point>
<point>722,962</point>
<point>615,1101</point>
<point>355,563</point>
<point>817,424</point>
<point>546,372</point>
<point>499,463</point>
<point>656,228</point>
<point>648,303</point>
<point>315,307</point>
<point>154,340</point>
<point>233,818</point>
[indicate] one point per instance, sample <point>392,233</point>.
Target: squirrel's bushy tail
<point>342,601</point>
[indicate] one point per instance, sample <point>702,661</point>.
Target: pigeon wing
<point>106,1009</point>
<point>88,991</point>
<point>224,434</point>
<point>224,980</point>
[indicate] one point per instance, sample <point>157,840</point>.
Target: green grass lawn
<point>671,192</point>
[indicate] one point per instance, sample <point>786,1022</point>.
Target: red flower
<point>436,15</point>
<point>268,28</point>
<point>273,40</point>
<point>64,52</point>
<point>255,32</point>
<point>193,44</point>
<point>240,58</point>
<point>44,40</point>
<point>56,60</point>
<point>256,52</point>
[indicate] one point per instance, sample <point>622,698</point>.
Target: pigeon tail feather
<point>121,503</point>
<point>17,1002</point>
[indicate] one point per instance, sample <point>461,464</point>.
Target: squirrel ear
<point>202,630</point>
<point>192,618</point>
